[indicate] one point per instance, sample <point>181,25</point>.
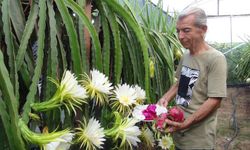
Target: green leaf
<point>10,45</point>
<point>106,39</point>
<point>10,100</point>
<point>39,62</point>
<point>6,125</point>
<point>17,17</point>
<point>96,43</point>
<point>62,52</point>
<point>25,76</point>
<point>73,39</point>
<point>116,7</point>
<point>131,10</point>
<point>53,117</point>
<point>52,65</point>
<point>30,24</point>
<point>132,61</point>
<point>117,43</point>
<point>82,40</point>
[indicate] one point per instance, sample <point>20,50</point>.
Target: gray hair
<point>200,15</point>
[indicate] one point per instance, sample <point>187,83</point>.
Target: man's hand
<point>174,126</point>
<point>163,102</point>
<point>208,107</point>
<point>168,95</point>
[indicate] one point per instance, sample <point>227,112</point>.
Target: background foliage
<point>41,39</point>
<point>128,42</point>
<point>238,62</point>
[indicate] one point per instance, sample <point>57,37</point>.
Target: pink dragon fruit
<point>176,114</point>
<point>160,121</point>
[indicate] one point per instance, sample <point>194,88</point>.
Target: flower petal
<point>160,110</point>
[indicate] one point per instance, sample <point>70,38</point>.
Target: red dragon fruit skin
<point>176,114</point>
<point>161,120</point>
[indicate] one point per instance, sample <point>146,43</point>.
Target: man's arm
<point>208,107</point>
<point>169,95</point>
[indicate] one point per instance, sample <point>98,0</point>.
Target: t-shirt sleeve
<point>217,76</point>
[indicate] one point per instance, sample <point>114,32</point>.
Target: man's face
<point>189,34</point>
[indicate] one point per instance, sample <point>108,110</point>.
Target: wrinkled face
<point>189,34</point>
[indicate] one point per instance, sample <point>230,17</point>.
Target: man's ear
<point>204,31</point>
<point>204,28</point>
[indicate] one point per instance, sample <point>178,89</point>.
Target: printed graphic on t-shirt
<point>187,80</point>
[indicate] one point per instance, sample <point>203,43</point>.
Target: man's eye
<point>186,30</point>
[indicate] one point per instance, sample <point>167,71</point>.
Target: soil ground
<point>237,125</point>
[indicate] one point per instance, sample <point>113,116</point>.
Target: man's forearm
<point>204,111</point>
<point>168,96</point>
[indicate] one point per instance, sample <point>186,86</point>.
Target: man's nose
<point>181,35</point>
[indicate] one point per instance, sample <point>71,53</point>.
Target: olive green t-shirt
<point>200,77</point>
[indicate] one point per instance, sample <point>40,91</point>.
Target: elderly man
<point>200,86</point>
